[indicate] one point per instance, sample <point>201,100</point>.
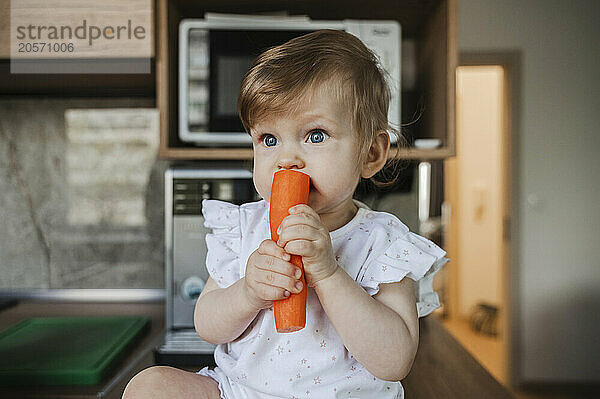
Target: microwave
<point>216,52</point>
<point>186,186</point>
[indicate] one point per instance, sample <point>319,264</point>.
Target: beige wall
<point>556,271</point>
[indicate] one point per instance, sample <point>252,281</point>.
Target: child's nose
<point>290,160</point>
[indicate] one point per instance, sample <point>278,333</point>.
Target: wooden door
<point>477,193</point>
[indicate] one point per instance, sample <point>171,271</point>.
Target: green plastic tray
<point>65,350</point>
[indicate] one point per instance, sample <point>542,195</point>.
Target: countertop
<point>442,368</point>
<point>139,356</point>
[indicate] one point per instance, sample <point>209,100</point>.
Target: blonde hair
<point>285,73</point>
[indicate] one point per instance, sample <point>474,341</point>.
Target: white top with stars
<point>373,248</point>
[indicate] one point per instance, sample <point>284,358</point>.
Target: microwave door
<point>231,55</point>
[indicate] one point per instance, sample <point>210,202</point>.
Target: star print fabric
<point>373,248</point>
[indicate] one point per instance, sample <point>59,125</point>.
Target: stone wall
<point>81,194</point>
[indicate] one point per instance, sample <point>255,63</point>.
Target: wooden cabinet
<point>429,24</point>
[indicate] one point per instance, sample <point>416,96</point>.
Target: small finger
<point>300,247</point>
<point>280,266</point>
<point>298,232</point>
<point>270,247</point>
<point>303,208</point>
<point>272,293</point>
<point>299,218</point>
<point>278,280</point>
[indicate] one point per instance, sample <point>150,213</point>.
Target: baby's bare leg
<point>169,382</point>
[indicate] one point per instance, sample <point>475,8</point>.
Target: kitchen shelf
<point>205,153</point>
<point>77,85</point>
<point>431,24</point>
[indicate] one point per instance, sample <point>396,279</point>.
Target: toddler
<point>318,104</point>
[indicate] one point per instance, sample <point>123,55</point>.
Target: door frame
<point>511,62</point>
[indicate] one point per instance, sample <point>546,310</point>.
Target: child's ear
<point>377,155</point>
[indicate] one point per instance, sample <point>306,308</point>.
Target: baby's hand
<point>302,233</point>
<point>270,276</point>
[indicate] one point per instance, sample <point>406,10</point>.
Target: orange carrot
<point>290,187</point>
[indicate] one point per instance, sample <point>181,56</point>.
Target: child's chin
<point>314,202</point>
<point>317,204</point>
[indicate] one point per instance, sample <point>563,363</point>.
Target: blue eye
<point>317,136</point>
<point>269,140</point>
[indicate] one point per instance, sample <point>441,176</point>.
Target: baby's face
<point>317,139</point>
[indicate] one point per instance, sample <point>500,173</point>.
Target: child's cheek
<point>262,183</point>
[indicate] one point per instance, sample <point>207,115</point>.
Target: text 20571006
<point>46,47</point>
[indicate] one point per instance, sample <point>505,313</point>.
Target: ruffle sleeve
<point>413,256</point>
<point>223,244</point>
